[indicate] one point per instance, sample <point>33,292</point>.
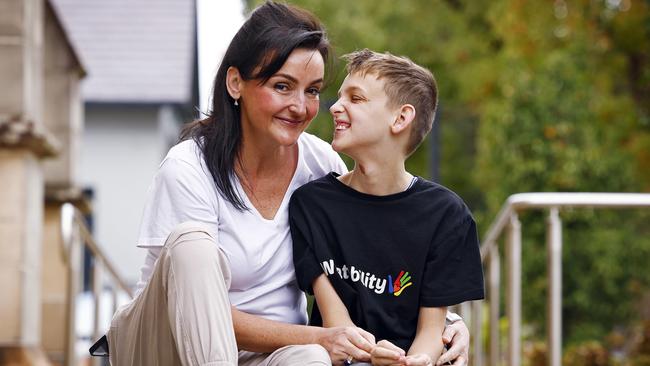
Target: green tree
<point>565,117</point>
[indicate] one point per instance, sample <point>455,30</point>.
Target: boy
<point>379,248</point>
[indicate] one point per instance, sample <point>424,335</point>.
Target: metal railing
<point>76,236</point>
<point>508,219</point>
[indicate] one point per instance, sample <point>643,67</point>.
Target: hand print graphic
<point>402,281</point>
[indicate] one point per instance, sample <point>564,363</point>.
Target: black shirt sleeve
<point>453,272</point>
<point>304,257</point>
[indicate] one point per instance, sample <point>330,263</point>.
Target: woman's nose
<point>298,104</point>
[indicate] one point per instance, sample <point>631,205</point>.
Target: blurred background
<point>535,96</point>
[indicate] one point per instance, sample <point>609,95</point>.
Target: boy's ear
<point>233,82</point>
<point>405,116</point>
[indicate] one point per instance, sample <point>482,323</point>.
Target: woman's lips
<point>289,121</point>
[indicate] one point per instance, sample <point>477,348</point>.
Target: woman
<point>219,275</point>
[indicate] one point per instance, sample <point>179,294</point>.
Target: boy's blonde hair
<point>405,82</point>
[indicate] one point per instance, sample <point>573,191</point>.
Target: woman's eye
<point>314,91</point>
<point>281,86</point>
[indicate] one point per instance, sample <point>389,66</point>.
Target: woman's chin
<point>287,139</point>
<point>288,135</point>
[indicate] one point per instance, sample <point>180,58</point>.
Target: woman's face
<point>281,108</point>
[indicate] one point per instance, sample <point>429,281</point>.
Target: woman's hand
<point>343,342</point>
<point>386,353</point>
<point>456,335</point>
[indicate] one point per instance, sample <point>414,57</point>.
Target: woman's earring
<point>236,103</point>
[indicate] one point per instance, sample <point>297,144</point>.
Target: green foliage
<point>534,96</point>
<point>562,119</point>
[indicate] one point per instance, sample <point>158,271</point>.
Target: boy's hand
<point>386,353</point>
<point>456,335</point>
<point>343,342</point>
<point>419,360</point>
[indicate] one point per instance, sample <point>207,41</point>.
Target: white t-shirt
<point>259,250</point>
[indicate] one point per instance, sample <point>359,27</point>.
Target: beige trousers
<point>183,315</point>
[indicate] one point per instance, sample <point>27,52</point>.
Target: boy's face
<point>362,115</point>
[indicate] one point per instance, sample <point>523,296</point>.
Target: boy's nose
<point>336,107</point>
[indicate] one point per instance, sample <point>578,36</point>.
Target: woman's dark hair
<point>258,50</point>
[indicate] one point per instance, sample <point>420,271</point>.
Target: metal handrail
<point>522,201</point>
<point>76,235</point>
<point>508,218</point>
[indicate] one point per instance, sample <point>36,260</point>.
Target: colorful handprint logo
<point>402,281</point>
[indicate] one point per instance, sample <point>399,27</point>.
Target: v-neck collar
<point>297,173</point>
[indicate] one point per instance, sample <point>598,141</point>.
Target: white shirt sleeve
<point>147,268</point>
<point>180,192</point>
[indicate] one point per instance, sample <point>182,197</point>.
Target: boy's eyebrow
<point>294,80</point>
<point>351,88</point>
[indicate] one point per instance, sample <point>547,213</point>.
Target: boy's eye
<point>356,98</point>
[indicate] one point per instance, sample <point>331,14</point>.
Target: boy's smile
<point>341,125</point>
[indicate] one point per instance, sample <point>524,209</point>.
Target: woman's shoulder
<point>187,150</point>
<point>182,159</point>
<point>315,143</point>
<point>318,152</point>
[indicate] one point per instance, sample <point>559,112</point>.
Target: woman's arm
<point>254,333</point>
<point>340,338</point>
<point>427,345</point>
<point>258,334</point>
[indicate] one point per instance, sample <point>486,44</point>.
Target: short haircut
<point>405,82</point>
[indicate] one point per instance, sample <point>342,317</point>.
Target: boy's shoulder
<point>442,199</point>
<point>311,188</point>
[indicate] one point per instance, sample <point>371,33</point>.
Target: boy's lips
<point>341,125</point>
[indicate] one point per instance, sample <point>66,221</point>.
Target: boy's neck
<point>378,179</point>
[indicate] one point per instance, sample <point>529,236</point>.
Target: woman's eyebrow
<point>294,80</point>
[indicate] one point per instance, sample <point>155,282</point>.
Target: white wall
<point>121,150</point>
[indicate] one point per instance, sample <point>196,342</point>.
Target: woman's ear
<point>233,82</point>
<point>405,116</point>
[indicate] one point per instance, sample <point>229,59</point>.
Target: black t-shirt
<point>386,256</point>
